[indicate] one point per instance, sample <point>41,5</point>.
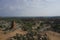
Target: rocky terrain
<point>30,28</point>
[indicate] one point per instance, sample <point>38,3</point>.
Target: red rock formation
<point>14,25</point>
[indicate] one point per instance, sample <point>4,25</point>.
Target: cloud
<point>29,7</point>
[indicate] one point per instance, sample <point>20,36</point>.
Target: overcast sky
<point>29,7</point>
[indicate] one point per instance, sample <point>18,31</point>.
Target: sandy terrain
<point>53,35</point>
<point>11,34</point>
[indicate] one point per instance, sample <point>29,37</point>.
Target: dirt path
<point>53,35</point>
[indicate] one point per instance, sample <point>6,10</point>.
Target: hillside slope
<point>53,35</point>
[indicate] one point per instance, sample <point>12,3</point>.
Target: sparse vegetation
<point>34,28</point>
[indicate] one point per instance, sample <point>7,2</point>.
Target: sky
<point>29,8</point>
